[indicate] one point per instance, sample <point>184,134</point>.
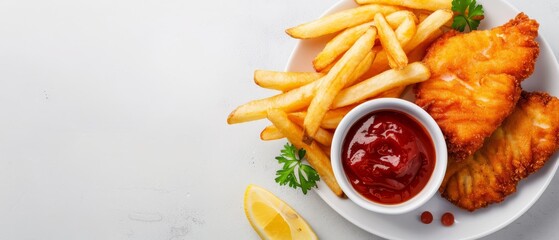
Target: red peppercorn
<point>447,219</point>
<point>426,217</point>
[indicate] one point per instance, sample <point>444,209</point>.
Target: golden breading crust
<point>475,81</point>
<point>519,147</point>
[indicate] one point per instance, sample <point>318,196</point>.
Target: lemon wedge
<point>272,218</point>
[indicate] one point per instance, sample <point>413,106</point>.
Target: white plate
<point>468,225</point>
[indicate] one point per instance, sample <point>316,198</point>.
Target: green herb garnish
<point>466,12</point>
<point>294,172</point>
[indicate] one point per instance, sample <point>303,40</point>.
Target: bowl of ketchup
<point>389,155</point>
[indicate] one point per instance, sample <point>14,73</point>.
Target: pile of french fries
<point>376,52</point>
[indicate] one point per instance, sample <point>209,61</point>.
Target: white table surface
<point>113,119</point>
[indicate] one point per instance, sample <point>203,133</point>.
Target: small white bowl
<point>424,119</point>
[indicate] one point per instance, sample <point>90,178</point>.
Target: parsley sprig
<point>467,12</point>
<point>294,172</point>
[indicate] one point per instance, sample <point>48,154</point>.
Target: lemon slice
<point>272,218</point>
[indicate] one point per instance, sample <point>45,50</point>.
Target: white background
<point>113,119</point>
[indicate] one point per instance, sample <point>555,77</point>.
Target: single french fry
<point>422,14</point>
<point>392,93</point>
<point>362,68</point>
<point>329,67</point>
<point>396,18</point>
<point>293,100</point>
<point>430,25</point>
<point>405,31</point>
<point>325,149</point>
<point>413,73</point>
<point>380,64</point>
<point>419,52</point>
<point>391,63</point>
<point>270,133</point>
<point>390,43</point>
<point>338,45</point>
<point>284,81</point>
<point>315,156</point>
<point>334,81</point>
<point>339,21</point>
<point>431,5</point>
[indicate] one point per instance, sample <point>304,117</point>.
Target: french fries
<point>322,136</point>
<point>343,41</point>
<point>334,81</point>
<point>339,21</point>
<point>315,156</point>
<point>290,101</point>
<point>350,69</point>
<point>284,81</point>
<point>413,73</point>
<point>272,133</point>
<point>397,58</point>
<point>426,32</point>
<point>331,119</point>
<point>431,5</point>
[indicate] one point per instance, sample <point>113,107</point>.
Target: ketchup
<point>388,157</point>
<point>426,217</point>
<point>447,219</point>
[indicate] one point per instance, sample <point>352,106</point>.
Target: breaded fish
<point>475,81</point>
<point>519,147</point>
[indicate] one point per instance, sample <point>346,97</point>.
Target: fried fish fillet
<point>475,81</point>
<point>519,147</point>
